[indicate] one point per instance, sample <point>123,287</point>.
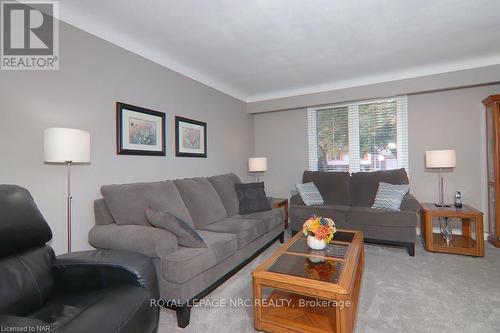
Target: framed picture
<point>190,138</point>
<point>139,131</point>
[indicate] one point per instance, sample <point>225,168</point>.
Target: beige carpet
<point>428,293</point>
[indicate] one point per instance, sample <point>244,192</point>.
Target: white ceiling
<point>262,49</point>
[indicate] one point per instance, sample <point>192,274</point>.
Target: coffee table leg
<point>257,301</point>
<point>344,320</point>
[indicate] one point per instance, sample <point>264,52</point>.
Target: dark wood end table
<point>281,202</point>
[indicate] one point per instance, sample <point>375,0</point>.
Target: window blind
<point>359,136</point>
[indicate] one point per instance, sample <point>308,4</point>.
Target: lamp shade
<point>257,164</point>
<point>66,145</point>
<point>440,159</point>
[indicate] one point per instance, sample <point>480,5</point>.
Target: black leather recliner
<point>89,291</point>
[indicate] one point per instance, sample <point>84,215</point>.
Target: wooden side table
<point>280,202</point>
<point>460,244</point>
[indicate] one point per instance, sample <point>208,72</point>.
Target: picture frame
<point>139,131</point>
<point>190,137</point>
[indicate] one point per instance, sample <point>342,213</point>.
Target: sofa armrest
<point>105,268</point>
<point>149,241</point>
<point>296,200</point>
<point>410,203</point>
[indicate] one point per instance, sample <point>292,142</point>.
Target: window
<point>359,136</point>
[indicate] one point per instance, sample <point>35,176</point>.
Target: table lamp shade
<point>440,159</point>
<point>66,145</point>
<point>257,164</point>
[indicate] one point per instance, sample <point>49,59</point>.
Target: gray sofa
<point>211,206</point>
<point>348,199</point>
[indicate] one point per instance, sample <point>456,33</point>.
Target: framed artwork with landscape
<point>139,131</point>
<point>190,137</point>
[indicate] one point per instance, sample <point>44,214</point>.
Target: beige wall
<point>282,138</point>
<point>93,75</point>
<point>451,119</point>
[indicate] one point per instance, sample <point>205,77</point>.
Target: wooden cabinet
<point>492,104</point>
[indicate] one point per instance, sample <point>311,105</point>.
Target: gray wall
<point>93,75</point>
<point>451,119</point>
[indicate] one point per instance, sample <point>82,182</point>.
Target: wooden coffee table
<point>302,290</point>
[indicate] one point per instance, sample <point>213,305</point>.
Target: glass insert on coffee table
<point>298,286</point>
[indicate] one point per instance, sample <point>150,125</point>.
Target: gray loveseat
<point>211,206</point>
<point>348,199</point>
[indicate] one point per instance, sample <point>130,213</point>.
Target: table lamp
<point>440,159</point>
<point>257,165</point>
<point>67,146</point>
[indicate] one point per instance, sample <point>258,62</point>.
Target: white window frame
<point>353,132</point>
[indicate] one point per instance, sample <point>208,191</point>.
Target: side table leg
<point>480,236</point>
<point>428,232</point>
<point>466,227</point>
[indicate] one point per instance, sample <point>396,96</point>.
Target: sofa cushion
<point>22,224</point>
<point>271,218</point>
<point>252,198</point>
<point>333,186</point>
<point>202,200</point>
<point>338,213</point>
<point>364,185</point>
<point>186,263</point>
<point>26,280</point>
<point>127,202</point>
<point>224,185</point>
<point>95,310</point>
<point>246,230</point>
<point>389,196</point>
<point>186,235</point>
<point>101,213</point>
<point>309,194</point>
<point>385,218</point>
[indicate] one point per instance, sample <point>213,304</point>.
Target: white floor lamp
<point>68,146</point>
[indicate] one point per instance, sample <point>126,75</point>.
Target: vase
<point>315,244</point>
<point>319,254</point>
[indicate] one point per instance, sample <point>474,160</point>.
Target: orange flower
<point>322,232</point>
<point>320,228</point>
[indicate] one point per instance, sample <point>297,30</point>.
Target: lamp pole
<point>69,202</point>
<point>441,188</point>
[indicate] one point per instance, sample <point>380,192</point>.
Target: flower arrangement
<point>321,228</point>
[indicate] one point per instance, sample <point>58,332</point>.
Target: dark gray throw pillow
<point>186,235</point>
<point>252,197</point>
